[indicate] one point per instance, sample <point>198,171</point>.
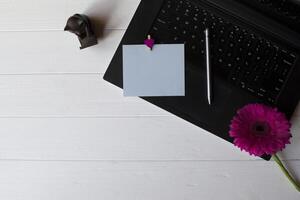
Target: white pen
<point>208,68</point>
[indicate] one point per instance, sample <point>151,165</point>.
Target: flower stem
<point>286,173</point>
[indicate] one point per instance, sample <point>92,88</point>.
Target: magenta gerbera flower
<point>259,129</point>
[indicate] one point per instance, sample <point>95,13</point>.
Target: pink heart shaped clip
<point>149,42</point>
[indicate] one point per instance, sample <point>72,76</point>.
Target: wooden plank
<point>145,180</point>
<point>152,138</point>
<point>55,52</point>
<point>33,15</point>
<point>88,96</point>
<point>68,95</point>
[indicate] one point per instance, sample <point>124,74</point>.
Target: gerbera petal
<point>271,140</point>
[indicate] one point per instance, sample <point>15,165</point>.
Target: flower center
<point>260,128</point>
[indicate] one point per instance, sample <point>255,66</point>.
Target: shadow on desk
<point>100,14</point>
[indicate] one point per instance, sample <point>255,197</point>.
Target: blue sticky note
<point>160,72</point>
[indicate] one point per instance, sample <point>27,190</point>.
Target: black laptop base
<point>193,107</point>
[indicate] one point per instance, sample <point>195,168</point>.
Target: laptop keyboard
<point>284,11</point>
<point>239,55</point>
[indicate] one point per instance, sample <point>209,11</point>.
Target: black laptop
<point>255,49</point>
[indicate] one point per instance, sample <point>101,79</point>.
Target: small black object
<point>81,26</point>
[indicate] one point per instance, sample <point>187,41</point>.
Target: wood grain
<point>122,139</point>
<point>86,102</point>
<point>67,96</point>
<point>144,180</point>
<point>55,52</point>
<point>37,15</point>
<point>152,138</point>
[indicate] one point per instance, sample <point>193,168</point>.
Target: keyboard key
<point>244,58</point>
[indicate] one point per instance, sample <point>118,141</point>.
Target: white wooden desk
<point>67,134</point>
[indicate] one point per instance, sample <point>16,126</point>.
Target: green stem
<point>284,170</point>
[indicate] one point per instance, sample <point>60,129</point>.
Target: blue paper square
<point>160,72</point>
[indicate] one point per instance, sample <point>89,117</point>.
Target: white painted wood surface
<point>55,52</point>
<point>117,180</point>
<point>67,134</point>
